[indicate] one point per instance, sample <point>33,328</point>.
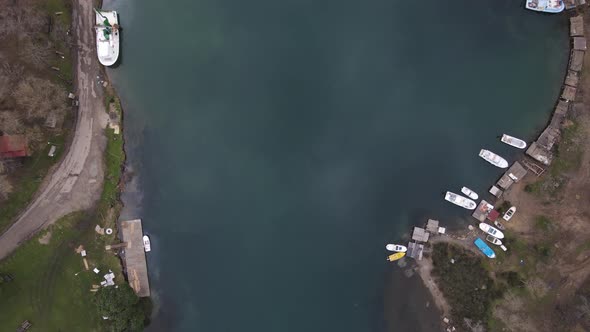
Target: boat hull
<point>513,141</point>
<point>396,248</point>
<point>491,230</point>
<point>461,201</point>
<point>509,214</point>
<point>544,6</point>
<point>493,158</point>
<point>483,247</point>
<point>147,244</point>
<point>396,256</point>
<point>470,193</point>
<point>493,240</point>
<point>107,48</point>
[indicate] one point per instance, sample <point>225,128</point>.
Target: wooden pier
<point>134,257</point>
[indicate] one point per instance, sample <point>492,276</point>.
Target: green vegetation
<point>569,152</point>
<point>466,283</point>
<point>60,24</point>
<point>504,207</point>
<point>122,307</point>
<point>543,223</point>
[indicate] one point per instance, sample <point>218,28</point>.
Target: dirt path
<point>77,182</point>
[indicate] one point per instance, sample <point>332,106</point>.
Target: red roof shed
<point>493,215</point>
<point>13,146</point>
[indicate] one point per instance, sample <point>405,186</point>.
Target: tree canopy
<point>122,307</point>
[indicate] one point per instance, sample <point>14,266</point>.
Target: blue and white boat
<point>546,6</point>
<point>483,247</point>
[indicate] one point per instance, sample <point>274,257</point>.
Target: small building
<point>496,191</point>
<point>482,210</point>
<point>415,250</point>
<point>420,234</point>
<point>569,93</point>
<point>13,146</point>
<point>576,60</point>
<point>505,182</point>
<point>493,215</point>
<point>432,226</point>
<point>516,172</point>
<point>579,43</point>
<point>548,137</point>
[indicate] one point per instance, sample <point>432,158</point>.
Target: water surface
<point>279,145</point>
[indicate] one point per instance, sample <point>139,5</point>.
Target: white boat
<point>513,141</point>
<point>491,230</point>
<point>493,240</point>
<point>493,158</point>
<point>146,244</point>
<point>107,37</point>
<point>508,215</point>
<point>546,6</point>
<point>470,193</point>
<point>396,248</point>
<point>463,202</point>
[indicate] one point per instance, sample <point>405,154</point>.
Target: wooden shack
<point>539,153</point>
<point>415,250</point>
<point>579,43</point>
<point>420,234</point>
<point>576,60</point>
<point>572,78</point>
<point>569,93</point>
<point>432,226</point>
<point>13,146</point>
<point>482,210</point>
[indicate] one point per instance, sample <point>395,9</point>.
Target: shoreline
<point>542,150</point>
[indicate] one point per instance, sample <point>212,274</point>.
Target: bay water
<point>277,146</point>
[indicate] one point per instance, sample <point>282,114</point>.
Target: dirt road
<point>76,183</point>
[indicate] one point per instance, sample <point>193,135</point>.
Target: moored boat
<point>493,158</point>
<point>483,247</point>
<point>146,244</point>
<point>107,37</point>
<point>513,141</point>
<point>396,248</point>
<point>499,225</point>
<point>491,230</point>
<point>396,256</point>
<point>493,240</point>
<point>461,201</point>
<point>470,193</point>
<point>546,6</point>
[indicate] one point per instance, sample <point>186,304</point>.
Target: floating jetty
<point>540,150</point>
<point>134,257</point>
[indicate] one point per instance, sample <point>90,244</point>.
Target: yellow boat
<point>396,256</point>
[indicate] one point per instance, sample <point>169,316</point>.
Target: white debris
<point>97,271</point>
<point>83,253</point>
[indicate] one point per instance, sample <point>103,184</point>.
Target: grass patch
<point>50,287</point>
<point>543,223</point>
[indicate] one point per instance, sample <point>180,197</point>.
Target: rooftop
<point>13,146</point>
<point>577,26</point>
<point>420,235</point>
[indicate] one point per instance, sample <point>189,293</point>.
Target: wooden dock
<point>134,257</point>
<point>482,210</point>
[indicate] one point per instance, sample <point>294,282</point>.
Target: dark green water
<point>279,145</point>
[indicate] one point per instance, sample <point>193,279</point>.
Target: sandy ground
<point>76,183</point>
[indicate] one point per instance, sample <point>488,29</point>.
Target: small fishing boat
<point>508,215</point>
<point>396,248</point>
<point>491,230</point>
<point>513,141</point>
<point>396,256</point>
<point>146,244</point>
<point>546,6</point>
<point>493,240</point>
<point>499,225</point>
<point>493,158</point>
<point>470,193</point>
<point>483,247</point>
<point>463,202</point>
<point>107,37</point>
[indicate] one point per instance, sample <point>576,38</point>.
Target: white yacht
<point>513,141</point>
<point>493,158</point>
<point>463,202</point>
<point>107,37</point>
<point>470,193</point>
<point>396,248</point>
<point>493,231</point>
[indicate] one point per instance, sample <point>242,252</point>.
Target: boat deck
<point>134,257</point>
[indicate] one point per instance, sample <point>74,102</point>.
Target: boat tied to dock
<point>470,193</point>
<point>396,256</point>
<point>147,246</point>
<point>513,141</point>
<point>396,248</point>
<point>493,158</point>
<point>107,37</point>
<point>546,6</point>
<point>461,201</point>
